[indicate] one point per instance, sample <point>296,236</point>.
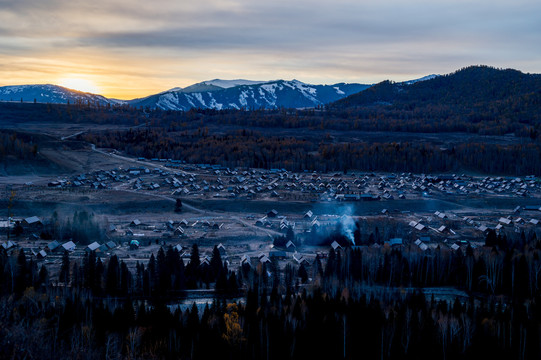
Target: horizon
<point>427,76</point>
<point>125,52</point>
<point>177,88</point>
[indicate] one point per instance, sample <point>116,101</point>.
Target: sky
<point>132,48</point>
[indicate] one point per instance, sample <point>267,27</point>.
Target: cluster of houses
<point>273,220</point>
<point>58,248</point>
<point>170,229</point>
<point>263,258</point>
<point>438,225</point>
<point>441,229</point>
<point>100,179</point>
<point>453,184</point>
<point>218,182</point>
<point>516,223</point>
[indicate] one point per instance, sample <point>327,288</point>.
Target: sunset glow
<point>79,84</point>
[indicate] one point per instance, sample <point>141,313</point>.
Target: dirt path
<point>72,135</point>
<point>124,158</point>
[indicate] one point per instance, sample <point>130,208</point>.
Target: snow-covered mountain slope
<point>53,94</point>
<point>250,95</point>
<point>424,78</point>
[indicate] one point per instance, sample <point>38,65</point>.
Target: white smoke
<point>348,224</point>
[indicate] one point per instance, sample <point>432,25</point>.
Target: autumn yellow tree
<point>233,330</point>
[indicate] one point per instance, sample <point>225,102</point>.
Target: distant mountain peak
<point>48,93</point>
<point>226,84</point>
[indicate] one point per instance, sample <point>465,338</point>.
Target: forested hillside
<point>255,149</point>
<point>477,94</point>
<point>471,86</point>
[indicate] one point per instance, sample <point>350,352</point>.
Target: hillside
<point>52,94</point>
<point>471,86</point>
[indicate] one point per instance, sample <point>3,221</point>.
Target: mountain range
<point>469,87</point>
<point>221,95</point>
<point>212,94</point>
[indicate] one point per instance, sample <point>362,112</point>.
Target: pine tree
<point>216,266</point>
<point>64,275</point>
<point>164,273</point>
<point>303,274</point>
<point>112,276</point>
<point>21,273</point>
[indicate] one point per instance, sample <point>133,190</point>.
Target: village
<point>243,211</point>
<point>203,181</point>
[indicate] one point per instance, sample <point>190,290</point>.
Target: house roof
<point>245,260</point>
<point>94,246</point>
<point>419,227</point>
<point>421,245</point>
<point>299,259</point>
<point>177,247</point>
<point>53,245</point>
<point>8,245</point>
<point>32,220</point>
<point>179,229</point>
<point>70,246</point>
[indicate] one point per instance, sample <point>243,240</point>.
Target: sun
<point>80,84</point>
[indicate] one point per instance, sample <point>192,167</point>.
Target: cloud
<point>315,40</point>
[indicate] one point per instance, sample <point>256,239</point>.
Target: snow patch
<point>242,99</point>
<point>214,104</point>
<point>199,98</point>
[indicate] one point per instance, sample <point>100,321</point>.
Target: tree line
<point>18,146</point>
<point>245,148</point>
